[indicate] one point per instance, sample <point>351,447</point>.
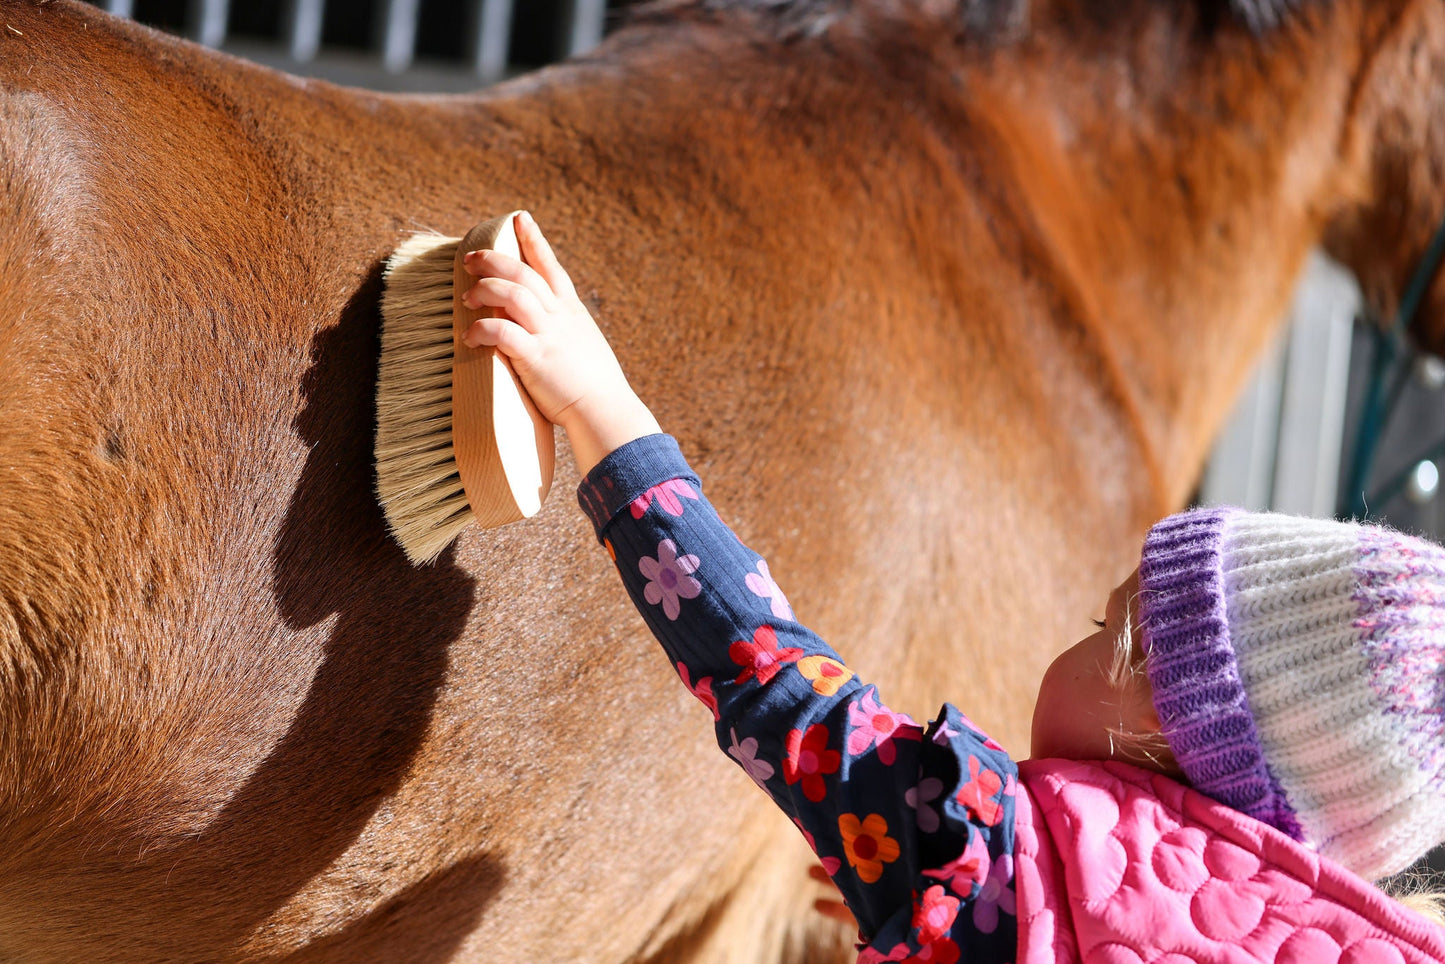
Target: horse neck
<point>1175,181</point>
<point>1153,183</point>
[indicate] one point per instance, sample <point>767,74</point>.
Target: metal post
<point>304,22</point>
<point>209,20</point>
<point>398,38</point>
<point>493,38</point>
<point>584,22</point>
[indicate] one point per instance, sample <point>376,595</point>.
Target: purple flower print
<point>746,753</point>
<point>920,797</point>
<point>944,733</point>
<point>762,584</point>
<point>668,496</point>
<point>669,578</point>
<point>874,723</point>
<point>997,895</point>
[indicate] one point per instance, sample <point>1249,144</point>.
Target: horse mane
<point>989,21</point>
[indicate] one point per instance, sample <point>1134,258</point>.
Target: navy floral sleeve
<point>916,828</point>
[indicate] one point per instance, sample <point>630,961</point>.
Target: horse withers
<point>973,282</point>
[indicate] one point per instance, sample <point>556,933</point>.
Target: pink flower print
<point>997,895</point>
<point>874,723</point>
<point>669,578</point>
<point>761,657</point>
<point>703,689</point>
<point>761,583</point>
<point>668,496</point>
<point>934,914</point>
<point>920,797</point>
<point>988,741</point>
<point>809,760</point>
<point>977,794</point>
<point>966,871</point>
<point>830,864</point>
<point>746,753</point>
<point>869,955</point>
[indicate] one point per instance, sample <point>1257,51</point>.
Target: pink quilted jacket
<point>1115,864</point>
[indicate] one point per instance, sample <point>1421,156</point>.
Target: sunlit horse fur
<point>945,302</point>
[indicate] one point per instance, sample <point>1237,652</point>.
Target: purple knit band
<point>1191,666</point>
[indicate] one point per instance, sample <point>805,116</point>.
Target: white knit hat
<point>1298,668</point>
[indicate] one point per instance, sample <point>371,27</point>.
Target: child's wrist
<point>597,427</point>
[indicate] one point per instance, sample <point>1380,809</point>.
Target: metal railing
<point>295,38</point>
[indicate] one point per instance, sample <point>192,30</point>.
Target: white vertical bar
<point>493,38</point>
<point>1317,373</point>
<point>121,8</point>
<point>208,21</point>
<point>1241,468</point>
<point>585,19</point>
<point>304,29</point>
<point>398,39</point>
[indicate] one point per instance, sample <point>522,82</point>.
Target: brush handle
<point>505,449</point>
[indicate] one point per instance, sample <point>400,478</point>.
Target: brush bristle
<point>416,470</point>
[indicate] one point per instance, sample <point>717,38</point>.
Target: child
<point>1293,674</point>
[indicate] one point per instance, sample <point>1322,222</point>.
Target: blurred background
<point>1344,418</point>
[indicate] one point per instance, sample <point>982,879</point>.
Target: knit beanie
<point>1298,670</point>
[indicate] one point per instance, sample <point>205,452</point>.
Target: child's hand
<point>554,346</point>
<point>831,907</point>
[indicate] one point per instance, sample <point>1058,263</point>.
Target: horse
<point>974,281</point>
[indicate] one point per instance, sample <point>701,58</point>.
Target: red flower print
<point>941,951</point>
<point>668,496</point>
<point>809,760</point>
<point>867,845</point>
<point>977,794</point>
<point>934,914</point>
<point>761,657</point>
<point>703,690</point>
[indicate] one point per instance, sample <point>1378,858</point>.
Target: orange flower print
<point>611,552</point>
<point>867,845</point>
<point>977,794</point>
<point>826,675</point>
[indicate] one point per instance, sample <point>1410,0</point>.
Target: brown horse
<point>974,282</point>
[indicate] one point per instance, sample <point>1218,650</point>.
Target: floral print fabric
<point>916,828</point>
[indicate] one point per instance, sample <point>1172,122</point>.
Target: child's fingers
<point>516,300</point>
<point>538,254</point>
<point>836,910</point>
<point>494,264</point>
<point>816,872</point>
<point>499,333</point>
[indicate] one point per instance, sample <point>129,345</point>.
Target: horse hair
<point>987,20</point>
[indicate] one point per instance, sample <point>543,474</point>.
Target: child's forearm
<point>786,708</point>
